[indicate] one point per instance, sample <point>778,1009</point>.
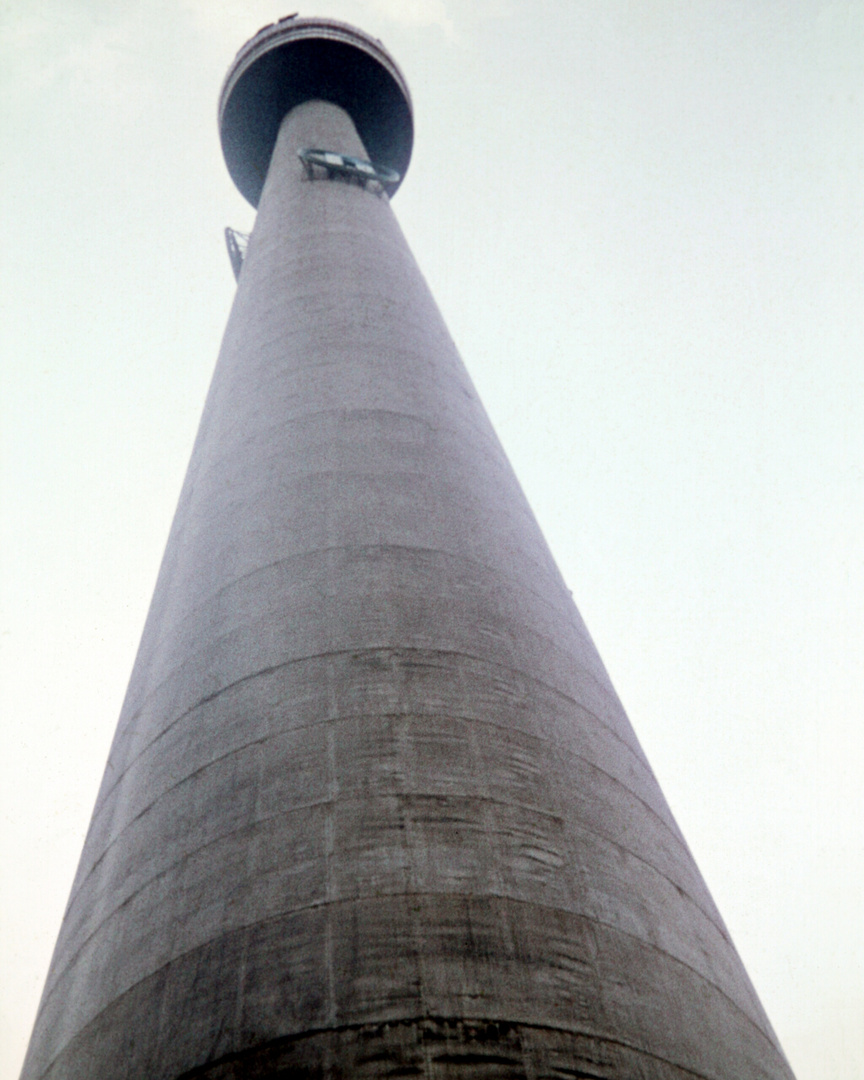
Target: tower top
<point>298,59</point>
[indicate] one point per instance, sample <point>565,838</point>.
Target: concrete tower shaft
<point>373,807</point>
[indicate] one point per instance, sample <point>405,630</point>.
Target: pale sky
<point>644,223</point>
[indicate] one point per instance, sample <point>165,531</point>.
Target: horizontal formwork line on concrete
<point>398,794</point>
<point>369,650</point>
<point>105,797</point>
<point>511,580</point>
<point>228,1059</point>
<point>709,917</point>
<point>766,1035</point>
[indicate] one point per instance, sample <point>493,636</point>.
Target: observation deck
<point>303,59</point>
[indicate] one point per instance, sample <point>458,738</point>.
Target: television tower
<point>373,808</point>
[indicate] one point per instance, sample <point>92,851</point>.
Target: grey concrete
<point>373,807</point>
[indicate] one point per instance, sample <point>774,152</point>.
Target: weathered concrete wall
<point>373,807</point>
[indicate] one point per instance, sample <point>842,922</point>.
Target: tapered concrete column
<point>373,807</point>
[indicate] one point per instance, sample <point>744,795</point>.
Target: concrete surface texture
<point>373,807</point>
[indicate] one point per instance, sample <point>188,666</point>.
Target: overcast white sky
<point>644,224</point>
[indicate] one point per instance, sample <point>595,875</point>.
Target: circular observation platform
<point>302,59</point>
